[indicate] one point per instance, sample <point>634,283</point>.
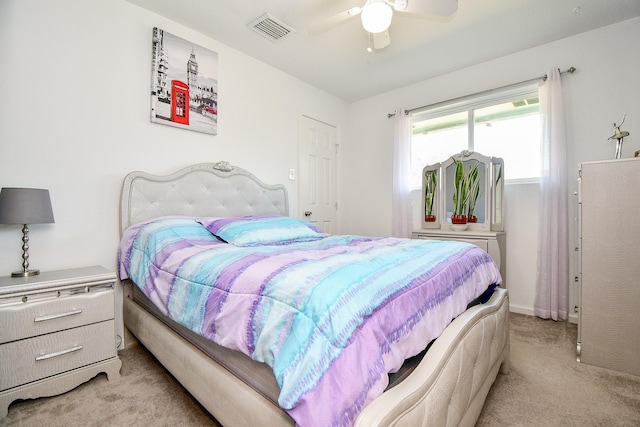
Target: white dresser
<point>609,319</point>
<point>58,331</point>
<point>486,231</point>
<point>493,242</point>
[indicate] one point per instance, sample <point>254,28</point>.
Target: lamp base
<point>25,273</point>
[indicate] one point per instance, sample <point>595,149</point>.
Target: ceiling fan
<point>376,16</point>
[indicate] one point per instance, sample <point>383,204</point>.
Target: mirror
<point>430,191</point>
<point>497,202</point>
<point>475,206</point>
<point>474,182</point>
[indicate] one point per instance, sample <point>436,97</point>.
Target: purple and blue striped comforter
<point>332,316</point>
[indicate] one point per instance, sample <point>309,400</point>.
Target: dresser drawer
<point>481,243</point>
<point>32,359</point>
<point>52,313</point>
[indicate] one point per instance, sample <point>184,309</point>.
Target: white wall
<point>75,84</point>
<point>74,118</point>
<point>605,86</point>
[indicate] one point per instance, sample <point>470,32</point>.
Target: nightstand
<point>57,332</point>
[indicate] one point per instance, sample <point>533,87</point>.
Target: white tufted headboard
<point>205,189</point>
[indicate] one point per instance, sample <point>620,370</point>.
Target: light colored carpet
<point>546,387</point>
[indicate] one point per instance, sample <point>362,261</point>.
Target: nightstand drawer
<point>32,359</point>
<point>52,313</point>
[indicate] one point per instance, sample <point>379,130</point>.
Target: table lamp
<point>25,206</point>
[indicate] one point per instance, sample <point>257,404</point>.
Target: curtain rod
<point>569,70</point>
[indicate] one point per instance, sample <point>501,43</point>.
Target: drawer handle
<point>57,316</point>
<point>59,353</point>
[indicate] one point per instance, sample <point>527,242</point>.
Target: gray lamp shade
<point>25,206</point>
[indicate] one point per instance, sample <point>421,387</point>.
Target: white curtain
<point>401,214</point>
<point>552,287</point>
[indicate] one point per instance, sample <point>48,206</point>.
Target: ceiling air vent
<point>271,28</point>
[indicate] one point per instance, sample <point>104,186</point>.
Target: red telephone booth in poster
<point>179,102</point>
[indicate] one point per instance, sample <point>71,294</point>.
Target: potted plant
<point>473,192</point>
<point>460,193</point>
<point>429,195</point>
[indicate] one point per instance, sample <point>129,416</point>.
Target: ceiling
<point>421,47</point>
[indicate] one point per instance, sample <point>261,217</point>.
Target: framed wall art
<point>184,84</point>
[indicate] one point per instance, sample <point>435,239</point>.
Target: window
<point>500,123</point>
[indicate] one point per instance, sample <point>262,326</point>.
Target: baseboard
<point>573,318</point>
<point>521,310</point>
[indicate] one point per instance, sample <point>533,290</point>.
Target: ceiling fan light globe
<point>376,16</point>
<point>400,5</point>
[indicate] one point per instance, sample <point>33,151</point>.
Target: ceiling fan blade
<point>333,21</point>
<point>432,7</point>
<point>381,40</point>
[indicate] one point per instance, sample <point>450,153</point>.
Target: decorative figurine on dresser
<point>58,331</point>
<point>463,199</point>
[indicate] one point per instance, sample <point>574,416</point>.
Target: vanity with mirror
<point>463,199</point>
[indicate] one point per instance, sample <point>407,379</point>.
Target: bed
<point>446,385</point>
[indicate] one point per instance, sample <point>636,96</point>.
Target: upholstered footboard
<point>450,385</point>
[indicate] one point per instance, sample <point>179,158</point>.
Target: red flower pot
<point>458,219</point>
<point>472,218</point>
<point>429,218</point>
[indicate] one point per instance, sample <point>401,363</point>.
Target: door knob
<point>307,213</point>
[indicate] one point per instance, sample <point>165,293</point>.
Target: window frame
<point>469,103</point>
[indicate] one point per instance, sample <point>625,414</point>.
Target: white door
<point>317,154</point>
